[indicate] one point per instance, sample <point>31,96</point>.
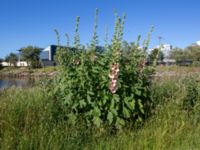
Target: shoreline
<point>26,73</point>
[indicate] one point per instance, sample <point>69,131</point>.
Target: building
<point>19,64</point>
<point>169,62</point>
<point>163,59</point>
<point>47,55</point>
<point>165,48</point>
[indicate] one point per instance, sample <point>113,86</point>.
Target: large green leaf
<point>130,103</point>
<point>110,117</point>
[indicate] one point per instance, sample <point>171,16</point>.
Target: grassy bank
<point>26,122</point>
<point>50,71</point>
<point>26,72</point>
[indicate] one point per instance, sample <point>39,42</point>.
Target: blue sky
<point>32,22</point>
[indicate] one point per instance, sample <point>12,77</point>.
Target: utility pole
<point>160,40</point>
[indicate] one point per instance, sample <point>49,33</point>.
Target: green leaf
<point>130,103</point>
<point>96,112</point>
<point>101,63</point>
<point>119,123</point>
<point>97,121</point>
<point>89,99</point>
<point>104,78</point>
<point>95,69</point>
<point>141,106</point>
<point>110,117</point>
<point>112,104</point>
<point>138,92</point>
<point>126,112</point>
<point>82,103</point>
<point>104,100</point>
<point>90,93</point>
<point>116,97</point>
<point>114,111</point>
<point>72,118</point>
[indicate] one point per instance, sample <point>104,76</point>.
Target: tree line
<point>191,52</point>
<point>30,54</point>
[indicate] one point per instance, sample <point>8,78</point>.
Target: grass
<point>26,122</point>
<point>25,71</point>
<point>178,69</point>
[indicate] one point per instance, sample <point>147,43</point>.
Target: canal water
<point>15,82</point>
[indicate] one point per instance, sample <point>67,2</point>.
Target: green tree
<point>12,59</point>
<point>178,54</point>
<point>156,54</point>
<point>193,52</point>
<point>1,60</point>
<point>31,55</point>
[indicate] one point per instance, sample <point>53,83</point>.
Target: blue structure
<point>47,56</point>
<point>48,53</point>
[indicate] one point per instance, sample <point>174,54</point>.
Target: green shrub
<point>103,88</point>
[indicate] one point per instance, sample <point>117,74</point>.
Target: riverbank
<point>51,71</point>
<point>25,72</point>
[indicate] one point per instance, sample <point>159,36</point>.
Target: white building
<point>165,48</point>
<point>169,61</point>
<point>22,64</point>
<point>19,64</point>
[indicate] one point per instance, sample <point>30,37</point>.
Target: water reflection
<point>15,82</point>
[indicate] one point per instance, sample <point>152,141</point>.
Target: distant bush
<point>196,63</point>
<point>112,87</point>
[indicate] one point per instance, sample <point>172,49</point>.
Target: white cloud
<point>198,43</point>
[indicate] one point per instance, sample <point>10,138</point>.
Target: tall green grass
<point>27,122</point>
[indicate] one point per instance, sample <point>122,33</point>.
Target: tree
<point>193,52</point>
<point>12,59</point>
<point>153,56</point>
<point>31,55</point>
<point>189,53</point>
<point>178,54</point>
